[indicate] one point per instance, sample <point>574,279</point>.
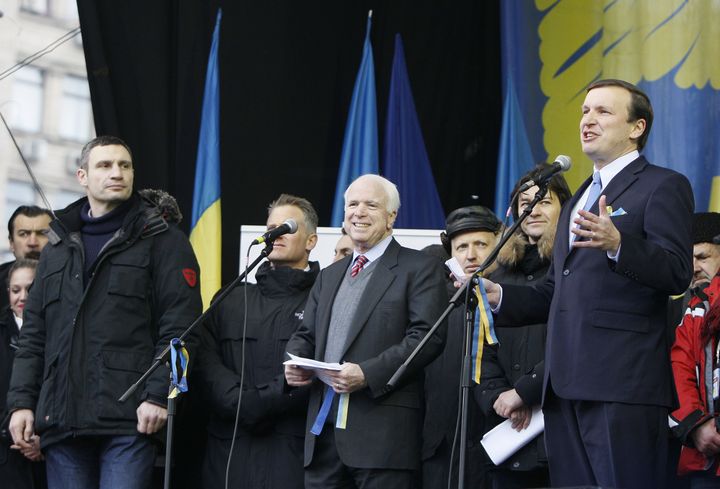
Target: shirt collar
<point>375,252</point>
<point>609,171</point>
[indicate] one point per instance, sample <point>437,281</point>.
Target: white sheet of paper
<point>456,268</point>
<point>502,441</point>
<point>315,365</point>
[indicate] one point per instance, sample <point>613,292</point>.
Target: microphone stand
<point>162,357</point>
<point>464,290</point>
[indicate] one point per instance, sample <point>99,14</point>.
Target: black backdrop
<point>287,73</point>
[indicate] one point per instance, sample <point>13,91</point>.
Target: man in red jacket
<point>694,362</point>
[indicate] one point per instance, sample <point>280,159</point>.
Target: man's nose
<point>116,172</point>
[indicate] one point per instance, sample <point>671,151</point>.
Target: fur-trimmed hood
<point>512,254</point>
<point>166,203</point>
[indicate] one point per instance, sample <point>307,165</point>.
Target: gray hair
<point>311,217</point>
<point>391,192</point>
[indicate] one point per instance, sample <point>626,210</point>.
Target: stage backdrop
<point>553,49</point>
<point>287,70</point>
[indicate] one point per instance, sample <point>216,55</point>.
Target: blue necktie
<point>593,195</point>
<point>595,189</point>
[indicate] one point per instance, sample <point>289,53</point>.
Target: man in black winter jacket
<point>115,284</point>
<point>268,449</point>
<point>512,370</point>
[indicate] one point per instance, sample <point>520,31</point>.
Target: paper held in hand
<point>315,365</point>
<point>503,441</point>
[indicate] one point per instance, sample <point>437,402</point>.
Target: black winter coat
<point>517,361</point>
<point>442,391</point>
<point>16,471</point>
<point>83,344</point>
<point>268,445</point>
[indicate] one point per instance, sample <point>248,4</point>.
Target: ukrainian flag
<point>206,230</point>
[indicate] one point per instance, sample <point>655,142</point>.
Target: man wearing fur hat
<point>116,282</point>
<point>470,235</point>
<point>512,370</point>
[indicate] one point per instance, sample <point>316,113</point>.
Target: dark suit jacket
<point>405,296</point>
<point>606,321</point>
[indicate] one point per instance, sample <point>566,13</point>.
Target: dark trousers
<point>272,461</point>
<point>327,471</point>
<point>17,472</point>
<point>608,444</point>
<point>435,469</point>
<point>519,479</point>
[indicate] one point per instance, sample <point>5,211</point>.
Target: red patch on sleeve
<point>190,276</point>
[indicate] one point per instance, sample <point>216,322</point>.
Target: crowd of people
<point>604,308</point>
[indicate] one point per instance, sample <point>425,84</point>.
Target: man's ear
<point>638,129</point>
<point>311,242</point>
<point>81,175</point>
<point>391,219</point>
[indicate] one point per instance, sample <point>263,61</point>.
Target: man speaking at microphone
<point>269,440</point>
<point>368,311</point>
<point>623,245</point>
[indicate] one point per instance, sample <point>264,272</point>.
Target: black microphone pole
<point>464,291</point>
<point>162,357</point>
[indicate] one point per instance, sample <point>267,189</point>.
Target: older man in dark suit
<point>623,245</point>
<point>368,311</point>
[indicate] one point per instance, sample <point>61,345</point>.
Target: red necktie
<point>360,262</point>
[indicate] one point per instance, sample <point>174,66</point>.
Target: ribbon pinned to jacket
<point>484,330</point>
<point>179,358</point>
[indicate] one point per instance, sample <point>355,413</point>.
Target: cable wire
<point>42,52</point>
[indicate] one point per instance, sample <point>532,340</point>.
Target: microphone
<point>561,163</point>
<point>288,227</point>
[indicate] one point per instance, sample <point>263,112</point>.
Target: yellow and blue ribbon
<point>342,411</point>
<point>179,358</point>
<point>484,330</point>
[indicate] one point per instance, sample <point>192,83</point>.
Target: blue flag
<point>514,156</point>
<point>405,161</point>
<point>205,231</point>
<point>360,146</point>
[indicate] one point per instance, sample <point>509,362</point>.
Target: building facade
<point>46,103</point>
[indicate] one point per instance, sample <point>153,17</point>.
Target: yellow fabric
<point>206,239</point>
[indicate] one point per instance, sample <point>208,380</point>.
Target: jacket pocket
<point>129,276</point>
<point>118,371</point>
<point>403,398</point>
<point>46,413</point>
<point>622,321</point>
<point>52,284</point>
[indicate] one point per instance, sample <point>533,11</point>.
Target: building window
<point>67,9</point>
<point>27,107</point>
<point>76,110</point>
<point>18,193</point>
<point>62,198</point>
<point>34,6</point>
